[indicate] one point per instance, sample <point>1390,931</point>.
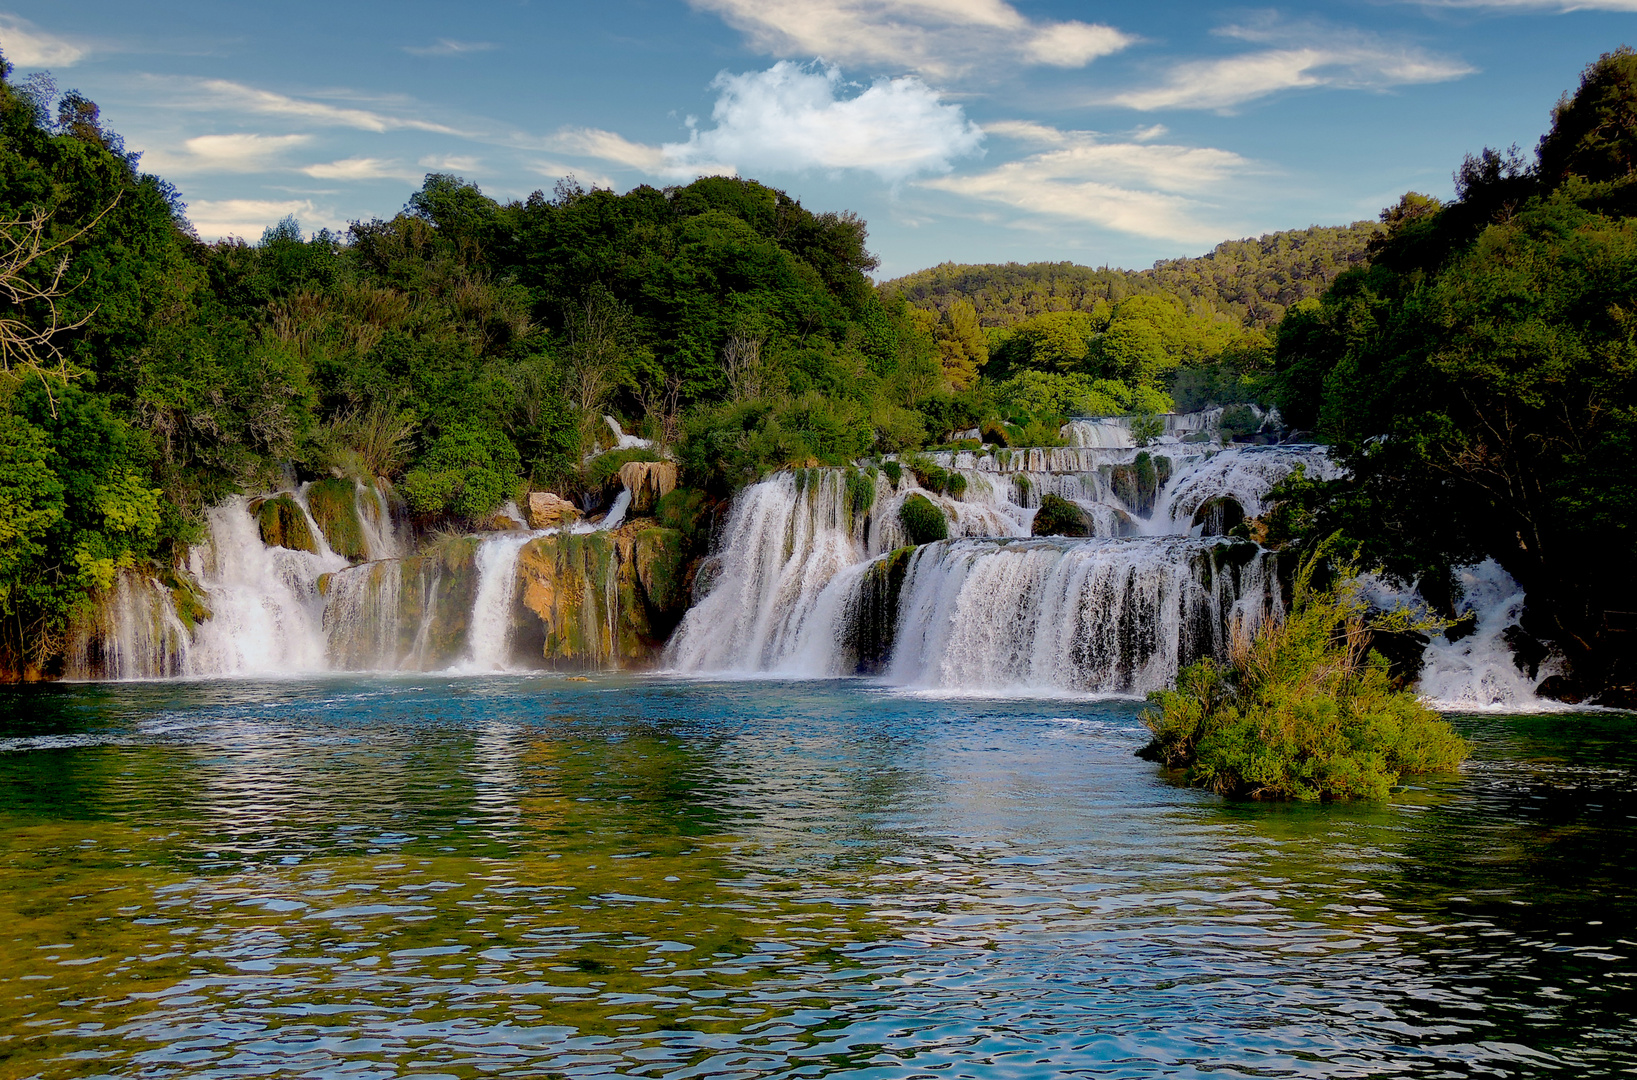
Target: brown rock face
<point>548,511</point>
<point>649,482</point>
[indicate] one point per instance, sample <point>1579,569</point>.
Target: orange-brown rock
<point>648,482</point>
<point>550,511</point>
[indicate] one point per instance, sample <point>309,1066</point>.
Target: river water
<point>433,876</point>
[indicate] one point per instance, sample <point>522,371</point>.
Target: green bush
<point>468,471</point>
<point>922,520</point>
<point>1303,710</point>
<point>860,491</point>
<point>1059,517</point>
<point>892,471</point>
<point>1238,420</point>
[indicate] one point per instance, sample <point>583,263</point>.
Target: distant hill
<point>1251,281</point>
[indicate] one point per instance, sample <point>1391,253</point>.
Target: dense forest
<point>1470,362</point>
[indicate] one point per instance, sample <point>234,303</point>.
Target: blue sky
<point>964,130</point>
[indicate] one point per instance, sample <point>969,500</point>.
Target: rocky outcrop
<point>589,600</point>
<point>334,507</point>
<point>411,614</point>
<point>1218,516</point>
<point>284,524</point>
<point>648,482</point>
<point>1138,484</point>
<point>1059,517</point>
<point>546,510</point>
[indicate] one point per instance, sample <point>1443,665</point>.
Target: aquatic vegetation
<point>1303,709</point>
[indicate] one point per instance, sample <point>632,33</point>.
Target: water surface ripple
<point>435,877</point>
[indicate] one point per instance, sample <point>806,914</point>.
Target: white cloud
<point>1143,188</point>
<point>360,168</point>
<point>554,170</point>
<point>221,95</point>
<point>789,119</point>
<point>450,163</point>
<point>447,47</point>
<point>1535,5</point>
<point>609,146</point>
<point>935,37</point>
<point>247,218</point>
<point>1302,57</point>
<point>241,152</point>
<point>26,45</point>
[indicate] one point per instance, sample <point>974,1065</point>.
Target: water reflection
<point>640,877</point>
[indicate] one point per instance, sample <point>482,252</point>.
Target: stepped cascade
<point>813,574</point>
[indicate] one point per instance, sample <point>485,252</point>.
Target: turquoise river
<point>428,876</point>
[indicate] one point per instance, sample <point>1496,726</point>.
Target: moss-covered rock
<point>334,506</point>
<point>1138,484</point>
<point>923,521</point>
<point>661,569</point>
<point>688,512</point>
<point>283,524</point>
<point>874,628</point>
<point>187,597</point>
<point>413,613</point>
<point>1059,517</point>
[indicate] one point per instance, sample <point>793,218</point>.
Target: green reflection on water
<point>638,878</point>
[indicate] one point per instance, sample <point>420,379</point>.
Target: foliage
<point>1303,710</point>
<point>467,472</point>
<point>1059,517</point>
<point>923,521</point>
<point>1479,381</point>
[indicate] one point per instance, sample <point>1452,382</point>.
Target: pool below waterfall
<point>437,876</point>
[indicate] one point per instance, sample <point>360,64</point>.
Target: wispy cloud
<point>1298,57</point>
<point>361,168</point>
<point>450,163</point>
<point>934,37</point>
<point>610,146</point>
<point>235,153</point>
<point>448,47</point>
<point>794,118</point>
<point>247,218</point>
<point>221,95</point>
<point>1148,189</point>
<point>26,45</point>
<point>1534,5</point>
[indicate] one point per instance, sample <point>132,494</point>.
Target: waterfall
<point>1107,616</point>
<point>1478,670</point>
<point>785,540</point>
<point>491,622</point>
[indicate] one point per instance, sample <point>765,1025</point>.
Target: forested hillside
<point>1252,282</point>
<point>1479,380</point>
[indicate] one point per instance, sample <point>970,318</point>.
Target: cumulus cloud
<point>791,118</point>
<point>242,152</point>
<point>1298,57</point>
<point>1146,189</point>
<point>448,47</point>
<point>26,45</point>
<point>934,37</point>
<point>248,218</point>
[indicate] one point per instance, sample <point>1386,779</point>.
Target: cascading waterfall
<point>1478,670</point>
<point>490,631</point>
<point>1108,616</point>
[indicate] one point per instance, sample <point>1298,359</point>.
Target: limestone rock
<point>283,524</point>
<point>648,482</point>
<point>549,511</point>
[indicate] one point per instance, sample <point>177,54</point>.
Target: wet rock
<point>334,507</point>
<point>283,523</point>
<point>546,510</point>
<point>648,482</point>
<point>1218,516</point>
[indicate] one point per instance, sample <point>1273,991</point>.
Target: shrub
<point>1059,517</point>
<point>1303,710</point>
<point>922,520</point>
<point>1146,428</point>
<point>467,471</point>
<point>860,492</point>
<point>955,485</point>
<point>1239,420</point>
<point>892,471</point>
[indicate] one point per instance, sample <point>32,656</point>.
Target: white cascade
<point>266,611</point>
<point>1478,671</point>
<point>1105,616</point>
<point>491,622</point>
<point>784,541</point>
